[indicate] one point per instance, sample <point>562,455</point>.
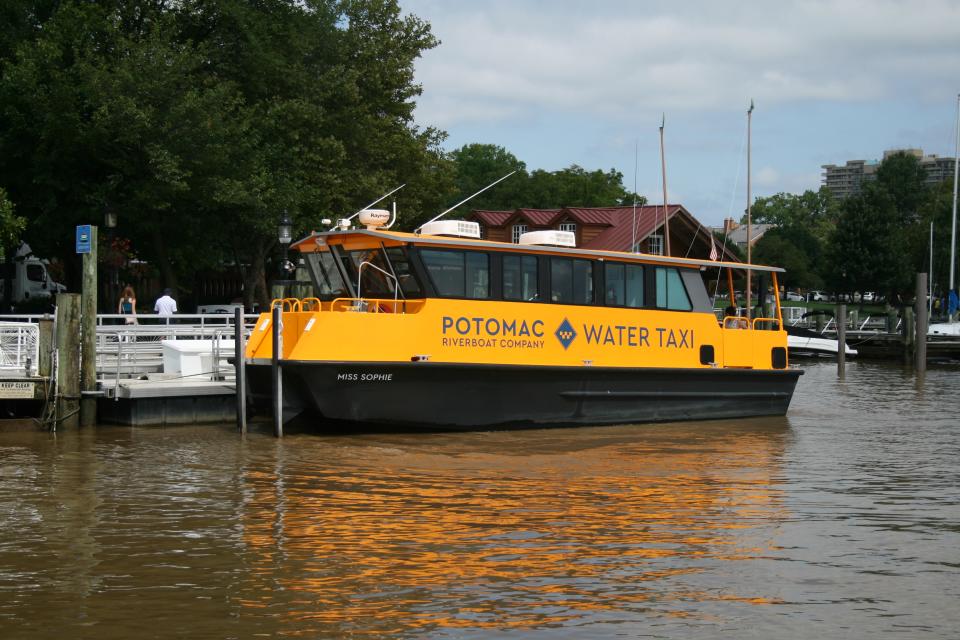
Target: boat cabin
<point>392,267</point>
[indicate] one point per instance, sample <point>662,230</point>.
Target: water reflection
<point>838,521</point>
<point>505,530</point>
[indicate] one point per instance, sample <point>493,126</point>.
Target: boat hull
<point>443,396</point>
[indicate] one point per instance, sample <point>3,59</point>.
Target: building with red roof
<point>608,228</point>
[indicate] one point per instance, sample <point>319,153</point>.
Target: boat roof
<point>317,240</point>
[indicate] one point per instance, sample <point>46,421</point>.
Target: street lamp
<point>285,236</point>
<point>110,222</point>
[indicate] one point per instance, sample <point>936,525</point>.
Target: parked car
<point>794,296</point>
<point>869,296</point>
<point>816,296</point>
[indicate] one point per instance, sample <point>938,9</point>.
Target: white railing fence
<point>19,347</point>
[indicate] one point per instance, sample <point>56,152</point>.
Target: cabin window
<point>374,283</point>
<point>518,230</point>
<point>404,273</point>
<point>655,245</point>
<point>458,274</point>
<point>327,281</point>
<point>671,294</point>
<point>624,284</point>
<point>520,278</point>
<point>568,226</point>
<point>571,281</point>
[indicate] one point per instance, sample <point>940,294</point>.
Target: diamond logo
<point>565,333</point>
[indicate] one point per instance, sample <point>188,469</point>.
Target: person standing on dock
<point>165,304</point>
<point>128,305</point>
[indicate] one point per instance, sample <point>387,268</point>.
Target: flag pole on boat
<point>437,217</point>
<point>663,171</point>
<point>749,223</point>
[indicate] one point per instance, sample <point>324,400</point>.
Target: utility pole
<point>87,246</point>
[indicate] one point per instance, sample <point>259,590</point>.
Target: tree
<point>478,165</point>
<point>865,252</point>
<point>812,211</point>
<point>794,249</point>
<point>11,226</point>
<point>202,121</point>
<point>938,211</point>
<point>904,179</point>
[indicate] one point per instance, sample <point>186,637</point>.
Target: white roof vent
<point>456,228</point>
<point>550,237</point>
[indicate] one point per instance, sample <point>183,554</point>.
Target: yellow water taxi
<point>443,330</point>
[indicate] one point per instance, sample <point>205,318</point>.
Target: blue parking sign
<point>83,238</point>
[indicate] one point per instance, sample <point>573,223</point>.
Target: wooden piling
<point>240,369</point>
<point>841,340</point>
<point>88,335</point>
<point>45,325</point>
<point>920,305</point>
<point>276,330</point>
<point>68,360</point>
<point>909,334</point>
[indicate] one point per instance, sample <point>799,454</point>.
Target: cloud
<point>504,60</point>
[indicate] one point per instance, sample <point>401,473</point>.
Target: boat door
<point>737,343</point>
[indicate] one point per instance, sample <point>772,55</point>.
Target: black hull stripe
<point>742,395</point>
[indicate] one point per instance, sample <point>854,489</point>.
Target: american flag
<point>713,249</point>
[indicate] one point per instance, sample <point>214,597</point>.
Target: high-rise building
<point>847,180</point>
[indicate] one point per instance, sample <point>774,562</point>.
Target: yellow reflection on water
<point>386,534</point>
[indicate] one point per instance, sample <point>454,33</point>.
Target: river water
<point>841,519</point>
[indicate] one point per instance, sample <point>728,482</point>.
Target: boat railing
<point>296,305</point>
<point>767,324</point>
<point>376,305</point>
<point>735,322</point>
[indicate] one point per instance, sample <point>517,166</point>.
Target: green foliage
<point>11,225</point>
<point>200,121</point>
<point>478,165</point>
<point>812,211</point>
<point>796,250</point>
<point>866,249</point>
<point>938,210</point>
<point>904,180</point>
<point>873,242</point>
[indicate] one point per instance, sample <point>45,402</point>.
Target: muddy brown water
<point>841,519</point>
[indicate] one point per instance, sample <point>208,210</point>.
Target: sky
<point>559,83</point>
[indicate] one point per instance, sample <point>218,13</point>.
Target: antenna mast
<point>956,174</point>
<point>749,222</point>
<point>437,217</point>
<point>663,165</point>
<point>633,228</point>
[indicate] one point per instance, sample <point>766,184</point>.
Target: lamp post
<point>110,223</point>
<point>285,237</point>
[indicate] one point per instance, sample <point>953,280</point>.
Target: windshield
<point>326,279</point>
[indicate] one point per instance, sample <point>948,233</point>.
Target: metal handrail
<point>773,322</point>
<point>367,263</point>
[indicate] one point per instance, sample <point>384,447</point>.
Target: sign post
<point>87,246</point>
